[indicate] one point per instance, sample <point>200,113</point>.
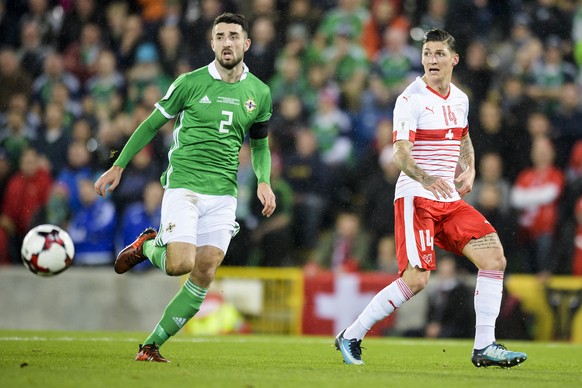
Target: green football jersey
<point>212,120</point>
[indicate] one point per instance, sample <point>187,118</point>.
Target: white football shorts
<point>197,219</point>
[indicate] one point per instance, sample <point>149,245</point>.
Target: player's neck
<point>230,75</point>
<point>441,86</point>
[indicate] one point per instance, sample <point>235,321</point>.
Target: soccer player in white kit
<point>431,143</point>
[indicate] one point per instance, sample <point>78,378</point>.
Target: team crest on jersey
<point>427,258</point>
<point>250,105</point>
<point>170,227</point>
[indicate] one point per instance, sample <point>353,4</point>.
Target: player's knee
<point>416,280</point>
<point>178,267</point>
<point>498,263</point>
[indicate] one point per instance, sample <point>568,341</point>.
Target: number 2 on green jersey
<point>224,124</point>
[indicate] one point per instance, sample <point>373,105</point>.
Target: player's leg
<point>469,232</point>
<point>415,253</point>
<point>213,223</point>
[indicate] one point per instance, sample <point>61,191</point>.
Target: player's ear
<point>247,44</point>
<point>455,60</point>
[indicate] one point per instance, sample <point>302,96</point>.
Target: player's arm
<point>144,133</point>
<point>261,162</point>
<point>464,182</point>
<point>405,162</point>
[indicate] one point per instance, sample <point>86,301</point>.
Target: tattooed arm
<point>405,162</point>
<point>464,182</point>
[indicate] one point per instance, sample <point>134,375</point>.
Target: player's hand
<point>438,186</point>
<point>267,198</point>
<point>108,181</point>
<point>464,182</point>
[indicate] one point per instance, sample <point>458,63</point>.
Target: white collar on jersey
<point>216,75</point>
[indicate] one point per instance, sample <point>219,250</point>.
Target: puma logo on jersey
<point>205,100</point>
<point>431,110</point>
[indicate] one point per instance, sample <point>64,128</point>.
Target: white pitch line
<point>265,339</point>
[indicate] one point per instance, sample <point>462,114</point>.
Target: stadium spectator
<point>78,167</point>
<point>53,72</point>
<point>549,74</point>
<point>72,109</point>
<point>27,191</point>
<point>490,172</point>
<point>263,52</point>
<point>107,86</point>
<point>53,138</point>
<point>349,14</point>
<point>92,227</point>
<point>535,195</point>
<point>476,72</point>
<point>288,79</point>
<point>289,116</point>
<point>172,49</point>
<point>272,238</point>
<point>347,63</point>
<point>15,136</point>
<point>144,73</point>
<point>377,197</point>
<point>548,18</point>
<point>491,135</point>
<point>80,57</point>
<point>307,176</point>
<point>344,248</point>
<point>386,255</point>
<point>384,15</point>
<point>516,106</point>
<point>450,311</point>
<point>434,16</point>
<point>32,50</point>
<point>116,14</point>
<point>13,79</point>
<point>301,15</point>
<point>40,12</point>
<point>126,48</point>
<point>565,120</point>
<point>82,13</point>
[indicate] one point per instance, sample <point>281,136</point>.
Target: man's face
<point>438,61</point>
<point>229,43</point>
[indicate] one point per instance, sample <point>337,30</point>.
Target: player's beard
<point>229,65</point>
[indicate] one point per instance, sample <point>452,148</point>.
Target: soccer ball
<point>47,250</point>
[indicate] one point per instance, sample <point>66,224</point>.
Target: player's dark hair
<point>438,35</point>
<point>232,18</point>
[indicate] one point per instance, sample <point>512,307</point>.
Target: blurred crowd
<point>78,76</point>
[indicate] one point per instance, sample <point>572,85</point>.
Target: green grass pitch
<point>105,359</point>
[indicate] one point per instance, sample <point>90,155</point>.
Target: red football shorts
<point>421,223</point>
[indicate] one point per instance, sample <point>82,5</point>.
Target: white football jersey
<point>435,125</point>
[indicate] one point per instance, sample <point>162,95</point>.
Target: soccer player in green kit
<point>215,107</point>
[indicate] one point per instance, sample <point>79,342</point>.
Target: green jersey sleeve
<point>176,98</point>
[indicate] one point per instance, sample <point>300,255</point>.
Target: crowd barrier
<point>265,300</point>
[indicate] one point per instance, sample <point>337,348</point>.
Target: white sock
<point>383,304</point>
<point>488,293</point>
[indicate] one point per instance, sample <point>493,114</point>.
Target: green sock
<point>157,255</point>
<point>184,306</point>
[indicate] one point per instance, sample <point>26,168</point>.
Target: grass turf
<point>105,359</point>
